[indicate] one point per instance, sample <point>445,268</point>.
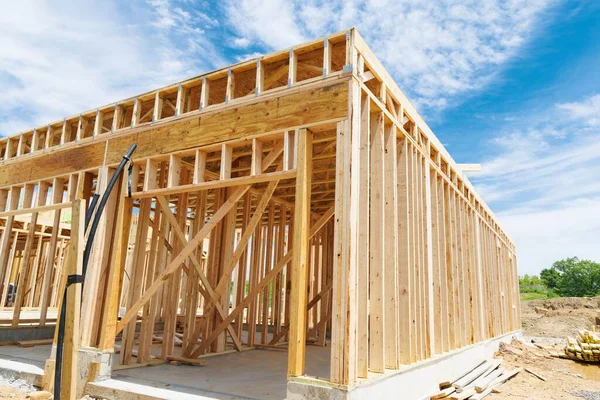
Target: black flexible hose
<point>86,257</point>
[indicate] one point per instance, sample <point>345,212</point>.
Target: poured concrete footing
<point>415,382</point>
<point>24,333</point>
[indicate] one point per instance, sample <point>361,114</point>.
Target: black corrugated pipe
<point>86,256</point>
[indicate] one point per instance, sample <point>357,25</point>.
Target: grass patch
<point>538,295</point>
<point>533,296</point>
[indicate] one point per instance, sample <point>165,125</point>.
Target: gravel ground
<point>587,395</point>
<point>17,384</point>
<point>544,339</point>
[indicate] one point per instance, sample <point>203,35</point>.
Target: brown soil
<point>11,393</point>
<point>564,316</point>
<point>565,379</point>
<point>8,392</point>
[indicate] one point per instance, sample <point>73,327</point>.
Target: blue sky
<point>511,84</point>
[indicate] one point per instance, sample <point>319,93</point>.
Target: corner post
<point>348,235</point>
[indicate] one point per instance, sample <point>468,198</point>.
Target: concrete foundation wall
<point>13,335</point>
<point>415,382</point>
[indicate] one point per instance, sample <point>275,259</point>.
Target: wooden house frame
<point>291,200</point>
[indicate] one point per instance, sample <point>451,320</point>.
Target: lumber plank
<point>25,270</point>
<point>390,256</point>
<point>541,377</point>
<point>68,388</point>
<point>482,384</point>
<point>298,297</point>
<point>116,270</point>
<point>216,184</point>
<point>57,195</point>
<point>343,352</point>
<point>443,393</point>
<point>189,361</point>
<point>461,383</point>
<point>149,363</point>
<point>447,384</point>
<point>32,343</point>
<point>377,238</point>
<point>494,384</point>
<point>361,153</point>
<point>404,254</point>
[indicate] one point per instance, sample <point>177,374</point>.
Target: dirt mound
<point>559,317</point>
<point>547,323</point>
<point>561,303</point>
<point>564,379</point>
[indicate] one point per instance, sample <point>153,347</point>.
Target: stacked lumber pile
<point>584,347</point>
<point>477,382</point>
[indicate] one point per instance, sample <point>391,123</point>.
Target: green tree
<point>550,277</point>
<point>573,277</point>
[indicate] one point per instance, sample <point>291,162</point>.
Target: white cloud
<point>435,50</point>
<point>271,21</point>
<point>241,42</point>
<point>545,236</point>
<point>248,56</point>
<point>588,110</point>
<point>544,178</point>
<point>59,58</point>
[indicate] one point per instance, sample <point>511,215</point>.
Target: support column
<point>432,298</point>
<point>361,156</point>
<point>347,237</point>
<point>57,195</point>
<point>116,270</point>
<point>69,376</point>
<point>6,235</point>
<point>94,269</point>
<point>377,271</point>
<point>479,267</point>
<point>391,302</point>
<point>298,300</point>
<point>405,274</point>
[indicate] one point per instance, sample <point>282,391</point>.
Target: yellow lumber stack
<point>584,347</point>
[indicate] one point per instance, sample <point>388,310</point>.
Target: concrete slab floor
<point>36,355</point>
<point>253,374</point>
